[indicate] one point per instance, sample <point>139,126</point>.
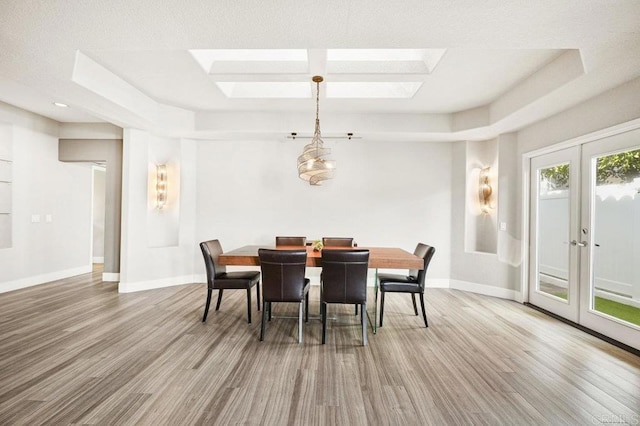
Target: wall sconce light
<point>485,190</point>
<point>161,186</point>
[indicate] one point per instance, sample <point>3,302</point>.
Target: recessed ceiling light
<point>61,105</point>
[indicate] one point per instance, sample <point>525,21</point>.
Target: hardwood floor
<point>77,352</point>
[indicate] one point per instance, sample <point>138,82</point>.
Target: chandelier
<point>314,166</point>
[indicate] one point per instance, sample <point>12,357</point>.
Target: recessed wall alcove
<point>481,224</point>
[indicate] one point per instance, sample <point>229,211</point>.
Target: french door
<point>585,235</point>
<point>555,232</point>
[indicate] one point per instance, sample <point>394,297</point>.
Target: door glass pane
<point>615,199</point>
<point>553,230</point>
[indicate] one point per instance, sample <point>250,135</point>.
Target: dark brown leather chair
<point>283,281</point>
<point>219,279</point>
<point>344,280</point>
<point>413,283</point>
<point>337,242</point>
<point>291,241</point>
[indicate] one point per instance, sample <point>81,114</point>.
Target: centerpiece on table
<point>317,245</point>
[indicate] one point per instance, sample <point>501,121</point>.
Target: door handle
<point>579,244</point>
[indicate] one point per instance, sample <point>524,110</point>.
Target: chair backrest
<point>337,242</point>
<point>211,250</point>
<point>344,275</point>
<point>282,274</point>
<point>291,241</point>
<point>425,252</point>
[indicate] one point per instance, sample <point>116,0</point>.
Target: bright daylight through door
<point>615,205</point>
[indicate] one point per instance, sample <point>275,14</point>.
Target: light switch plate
<point>48,218</point>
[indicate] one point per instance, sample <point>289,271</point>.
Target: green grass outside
<point>619,310</point>
<point>615,309</point>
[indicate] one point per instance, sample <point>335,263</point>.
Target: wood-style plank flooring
<point>77,352</point>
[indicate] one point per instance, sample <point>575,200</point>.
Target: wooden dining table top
<point>379,257</point>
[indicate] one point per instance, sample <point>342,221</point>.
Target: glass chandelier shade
<point>314,165</point>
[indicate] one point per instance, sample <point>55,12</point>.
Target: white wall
<point>142,266</point>
<point>43,186</point>
<point>384,194</point>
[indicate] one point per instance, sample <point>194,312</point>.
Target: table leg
<point>374,325</point>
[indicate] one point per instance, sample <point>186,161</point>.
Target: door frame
<point>526,185</point>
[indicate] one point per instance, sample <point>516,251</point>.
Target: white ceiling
<point>129,63</point>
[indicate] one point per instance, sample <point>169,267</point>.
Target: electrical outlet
<point>35,218</point>
<point>503,226</point>
<point>48,218</point>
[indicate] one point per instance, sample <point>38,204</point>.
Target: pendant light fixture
<point>314,166</point>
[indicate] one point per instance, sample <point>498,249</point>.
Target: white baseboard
<point>98,259</point>
<point>111,276</point>
<point>437,283</point>
<point>130,287</point>
<point>43,278</point>
<point>487,290</point>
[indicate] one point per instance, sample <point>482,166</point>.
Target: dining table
<point>379,258</point>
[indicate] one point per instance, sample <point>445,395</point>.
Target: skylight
<point>208,57</point>
<point>424,60</point>
<point>349,73</point>
<point>369,90</point>
<point>261,89</point>
<point>374,55</point>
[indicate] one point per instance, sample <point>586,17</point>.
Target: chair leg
<point>249,304</point>
<point>363,308</point>
<point>206,306</point>
<point>424,313</point>
<point>258,294</point>
<point>323,309</point>
<point>269,304</point>
<point>381,307</point>
<point>219,299</point>
<point>262,324</point>
<point>415,308</point>
<point>356,305</point>
<point>306,307</point>
<point>300,322</point>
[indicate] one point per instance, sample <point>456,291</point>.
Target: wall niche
<point>481,210</point>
